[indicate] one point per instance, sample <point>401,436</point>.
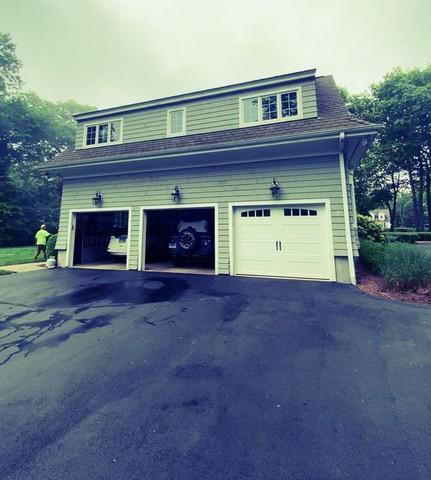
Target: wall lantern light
<point>175,195</point>
<point>97,199</point>
<point>275,188</point>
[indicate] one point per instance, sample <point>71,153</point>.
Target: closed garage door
<point>282,241</point>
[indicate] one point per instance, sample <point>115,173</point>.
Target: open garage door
<point>180,240</point>
<point>101,239</point>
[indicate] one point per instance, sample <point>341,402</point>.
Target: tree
<point>32,130</point>
<point>10,79</point>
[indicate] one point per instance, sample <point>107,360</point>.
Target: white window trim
<point>101,122</point>
<point>168,123</point>
<point>259,95</point>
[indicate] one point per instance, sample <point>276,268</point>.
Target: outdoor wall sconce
<point>175,195</point>
<point>97,199</point>
<point>275,188</point>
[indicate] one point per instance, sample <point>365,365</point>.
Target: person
<point>41,238</point>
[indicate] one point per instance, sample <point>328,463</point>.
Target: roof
<point>333,117</point>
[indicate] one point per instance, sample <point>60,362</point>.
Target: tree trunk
<point>428,186</point>
<point>421,191</point>
<point>414,197</point>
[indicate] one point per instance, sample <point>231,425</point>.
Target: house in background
<point>382,217</point>
<point>267,165</point>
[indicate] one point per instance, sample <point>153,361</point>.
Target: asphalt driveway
<point>133,376</point>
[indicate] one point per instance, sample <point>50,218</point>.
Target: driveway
<point>134,376</point>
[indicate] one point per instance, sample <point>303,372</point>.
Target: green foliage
<point>369,229</point>
<point>403,237</point>
<point>50,246</point>
<point>424,236</point>
<point>372,255</point>
<point>32,130</point>
<point>405,229</point>
<point>406,267</point>
<point>9,65</point>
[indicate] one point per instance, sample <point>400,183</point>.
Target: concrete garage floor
<point>128,375</point>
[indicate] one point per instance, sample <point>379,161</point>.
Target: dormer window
<point>103,133</point>
<point>176,122</point>
<point>271,107</point>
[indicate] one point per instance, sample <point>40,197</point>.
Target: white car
<point>117,246</point>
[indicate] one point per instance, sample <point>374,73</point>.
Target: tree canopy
<point>32,130</point>
<point>400,159</point>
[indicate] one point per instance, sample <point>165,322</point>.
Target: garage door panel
<point>292,242</point>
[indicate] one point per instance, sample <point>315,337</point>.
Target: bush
<point>404,229</point>
<point>406,267</point>
<point>424,236</point>
<point>372,255</point>
<point>50,246</point>
<point>404,237</point>
<point>368,229</point>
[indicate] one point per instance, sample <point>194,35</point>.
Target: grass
<point>17,255</point>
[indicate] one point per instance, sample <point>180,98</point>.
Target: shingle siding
<point>300,179</point>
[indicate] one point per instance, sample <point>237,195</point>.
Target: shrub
<point>405,229</point>
<point>424,236</point>
<point>404,237</point>
<point>50,246</point>
<point>372,255</point>
<point>368,229</point>
<point>406,267</point>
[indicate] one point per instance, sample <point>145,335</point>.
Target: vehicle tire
<point>188,240</point>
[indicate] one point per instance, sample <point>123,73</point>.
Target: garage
<point>292,240</point>
<point>100,239</point>
<point>180,240</point>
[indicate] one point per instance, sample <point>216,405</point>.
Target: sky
<point>114,52</point>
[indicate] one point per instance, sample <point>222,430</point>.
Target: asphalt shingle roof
<point>332,115</point>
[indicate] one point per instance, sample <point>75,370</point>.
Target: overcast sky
<point>113,52</point>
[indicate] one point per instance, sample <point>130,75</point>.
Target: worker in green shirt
<point>41,238</point>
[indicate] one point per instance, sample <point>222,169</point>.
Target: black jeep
<point>191,240</point>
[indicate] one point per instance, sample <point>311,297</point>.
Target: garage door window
<point>299,212</point>
<point>266,212</point>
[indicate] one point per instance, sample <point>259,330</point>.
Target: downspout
<point>347,225</point>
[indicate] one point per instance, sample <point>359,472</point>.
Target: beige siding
<point>202,116</point>
<point>300,179</point>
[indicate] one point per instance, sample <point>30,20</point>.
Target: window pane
<point>176,121</point>
<point>243,214</point>
<point>289,104</point>
<point>115,131</point>
<point>103,133</point>
<point>250,106</point>
<point>267,212</point>
<point>304,212</point>
<point>313,213</point>
<point>295,212</point>
<point>287,212</point>
<point>269,107</point>
<point>258,213</point>
<point>251,213</point>
<point>91,135</point>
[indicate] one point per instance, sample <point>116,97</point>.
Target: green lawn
<point>16,255</point>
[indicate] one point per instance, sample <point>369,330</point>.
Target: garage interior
<point>166,230</point>
<point>101,240</point>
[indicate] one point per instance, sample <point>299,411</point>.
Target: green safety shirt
<point>41,237</point>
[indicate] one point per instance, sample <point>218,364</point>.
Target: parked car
<point>117,245</point>
<point>191,240</point>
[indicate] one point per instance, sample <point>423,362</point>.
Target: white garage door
<point>282,241</point>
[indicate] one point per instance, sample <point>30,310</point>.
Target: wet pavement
<point>129,375</point>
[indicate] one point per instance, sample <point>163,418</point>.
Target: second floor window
<point>103,133</point>
<point>272,107</point>
<point>176,122</point>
